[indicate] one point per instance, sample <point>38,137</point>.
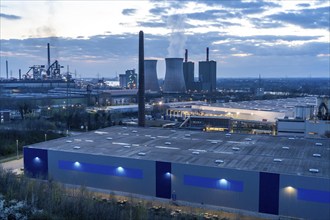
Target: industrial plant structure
<point>282,176</point>
<point>174,79</point>
<point>208,74</point>
<point>189,74</point>
<point>128,80</point>
<point>45,76</point>
<point>150,78</point>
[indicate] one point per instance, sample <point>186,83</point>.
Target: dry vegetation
<point>55,201</point>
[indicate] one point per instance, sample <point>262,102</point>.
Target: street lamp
<point>17,149</point>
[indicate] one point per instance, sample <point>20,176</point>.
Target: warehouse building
<point>282,176</point>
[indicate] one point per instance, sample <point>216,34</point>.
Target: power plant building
<point>273,175</point>
<point>208,75</point>
<point>150,78</point>
<point>174,80</point>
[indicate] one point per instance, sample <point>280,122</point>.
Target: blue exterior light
<point>168,175</point>
<point>37,160</point>
<point>224,184</point>
<point>77,164</point>
<point>120,171</point>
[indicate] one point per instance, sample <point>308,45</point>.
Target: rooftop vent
<point>109,138</point>
<point>167,143</point>
<point>76,147</point>
<point>277,160</point>
<point>228,135</point>
<point>134,131</point>
<point>318,144</point>
<point>313,170</point>
<point>235,148</point>
<point>316,155</point>
<point>141,154</point>
<point>218,161</point>
<point>68,141</point>
<point>285,148</point>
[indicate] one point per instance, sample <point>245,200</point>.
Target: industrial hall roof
<point>284,155</point>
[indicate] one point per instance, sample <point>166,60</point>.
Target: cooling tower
<point>150,75</point>
<point>174,80</point>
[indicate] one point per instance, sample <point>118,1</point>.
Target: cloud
<point>240,4</point>
<point>235,55</point>
<point>213,14</point>
<point>129,11</point>
<point>151,24</point>
<point>305,5</point>
<point>10,17</point>
<point>305,18</point>
<point>159,10</point>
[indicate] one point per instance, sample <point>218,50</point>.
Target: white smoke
<point>178,38</point>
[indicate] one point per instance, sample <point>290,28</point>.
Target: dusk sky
<point>288,38</point>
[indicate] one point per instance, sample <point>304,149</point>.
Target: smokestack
<point>207,54</point>
<point>19,74</point>
<point>48,56</point>
<point>7,68</point>
<point>141,107</point>
<point>186,56</point>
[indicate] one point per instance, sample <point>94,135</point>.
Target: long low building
<point>282,176</point>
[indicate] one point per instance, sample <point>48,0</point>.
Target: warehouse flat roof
<point>284,155</point>
<point>276,105</point>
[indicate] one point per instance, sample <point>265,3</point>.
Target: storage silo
<point>150,76</point>
<point>174,80</point>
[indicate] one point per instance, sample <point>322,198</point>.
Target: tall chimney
<point>19,74</point>
<point>207,54</point>
<point>186,56</point>
<point>7,68</point>
<point>141,106</point>
<point>48,56</point>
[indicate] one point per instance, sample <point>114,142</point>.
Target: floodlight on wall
<point>37,160</point>
<point>120,171</point>
<point>289,190</point>
<point>77,164</point>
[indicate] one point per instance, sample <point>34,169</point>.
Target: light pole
<point>17,150</point>
<point>45,137</point>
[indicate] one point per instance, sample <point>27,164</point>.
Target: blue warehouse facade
<point>166,166</point>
